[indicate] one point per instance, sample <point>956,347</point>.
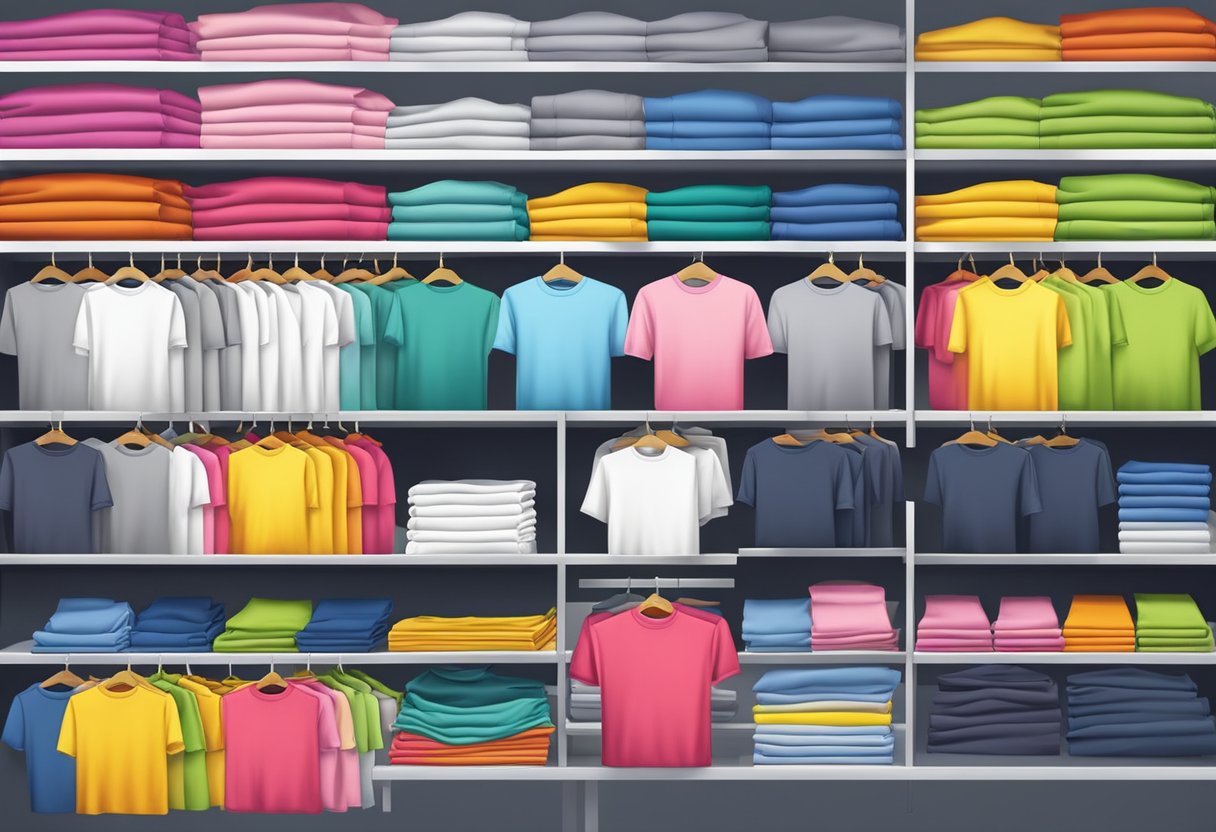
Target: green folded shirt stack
<point>709,212</point>
<point>1171,624</point>
<point>1134,206</point>
<point>264,625</point>
<point>1002,122</point>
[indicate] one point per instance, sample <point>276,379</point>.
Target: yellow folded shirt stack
<point>845,712</point>
<point>426,633</point>
<point>1019,210</point>
<point>603,211</point>
<point>991,39</point>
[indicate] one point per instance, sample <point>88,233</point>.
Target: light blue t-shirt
<point>564,336</point>
<point>33,726</point>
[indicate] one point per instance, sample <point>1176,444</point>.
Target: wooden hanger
<point>958,275</point>
<point>1066,274</point>
<point>55,436</point>
<point>1152,270</point>
<point>125,680</point>
<point>355,272</point>
<point>202,275</point>
<point>135,436</point>
<point>51,272</point>
<point>828,270</point>
<point>268,273</point>
<point>561,271</point>
<point>1099,274</point>
<point>171,273</point>
<point>1009,271</point>
<point>697,270</point>
<point>90,273</point>
<point>789,440</point>
<point>63,677</point>
<point>295,273</point>
<point>323,273</point>
<point>128,272</point>
<point>442,273</point>
<point>974,437</point>
<point>272,682</point>
<point>861,273</point>
<point>395,273</point>
<point>656,606</point>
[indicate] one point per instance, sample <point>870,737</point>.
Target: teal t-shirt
<point>385,362</point>
<point>357,360</point>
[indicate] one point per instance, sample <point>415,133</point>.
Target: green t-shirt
<point>1105,327</point>
<point>358,713</point>
<point>1073,360</point>
<point>187,771</point>
<point>371,708</point>
<point>444,335</point>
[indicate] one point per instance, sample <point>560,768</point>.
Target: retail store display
<point>178,625</point>
<point>953,624</point>
<point>777,625</point>
<point>851,615</point>
<point>587,120</point>
<point>1170,624</point>
<point>294,32</point>
<point>459,210</point>
<point>1099,624</point>
<point>132,35</point>
<point>709,212</point>
<point>837,212</point>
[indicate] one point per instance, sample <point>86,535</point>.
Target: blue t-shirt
<point>1073,483</point>
<point>796,492</point>
<point>564,336</point>
<point>982,492</point>
<point>33,726</point>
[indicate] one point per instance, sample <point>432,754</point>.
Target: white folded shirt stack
<point>585,703</point>
<point>463,124</point>
<point>1165,538</point>
<point>472,517</point>
<point>468,36</point>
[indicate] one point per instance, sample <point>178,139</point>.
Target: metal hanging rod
<point>644,584</point>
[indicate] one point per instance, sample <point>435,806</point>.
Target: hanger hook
<point>160,662</point>
<point>971,419</point>
<point>861,261</point>
<point>1154,259</point>
<point>561,257</point>
<point>831,258</point>
<point>959,267</point>
<point>1099,259</point>
<point>628,585</point>
<point>656,584</point>
<point>67,661</point>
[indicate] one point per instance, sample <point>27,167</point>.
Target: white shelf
<point>615,418</point>
<point>19,654</point>
<point>74,155</point>
<point>840,657</point>
<point>384,418</point>
<point>1054,67</point>
<point>824,553</point>
<point>370,248</point>
<point>594,729</point>
<point>1142,249</point>
<point>432,67</point>
<point>599,559</point>
<point>1065,560</point>
<point>1089,155</point>
<point>1052,418</point>
<point>344,561</point>
<point>1065,658</point>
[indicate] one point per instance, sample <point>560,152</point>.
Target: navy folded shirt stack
<point>1132,712</point>
<point>1165,508</point>
<point>86,625</point>
<point>838,122</point>
<point>346,625</point>
<point>837,212</point>
<point>995,709</point>
<point>781,625</point>
<point>178,625</point>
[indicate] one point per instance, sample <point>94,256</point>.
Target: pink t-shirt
<point>223,523</point>
<point>655,676</point>
<point>947,370</point>
<point>698,337</point>
<point>336,763</point>
<point>380,517</point>
<point>217,480</point>
<point>847,609</point>
<point>369,486</point>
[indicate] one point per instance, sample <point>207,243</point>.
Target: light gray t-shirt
<point>138,521</point>
<point>192,355</point>
<point>230,355</point>
<point>37,326</point>
<point>211,329</point>
<point>831,335</point>
<point>892,295</point>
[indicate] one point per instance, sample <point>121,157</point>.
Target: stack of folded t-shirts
<point>588,36</point>
<point>1134,206</point>
<point>1019,210</point>
<point>292,113</point>
<point>93,206</point>
<point>295,32</point>
<point>835,38</point>
<point>98,115</point>
<point>1170,33</point>
<point>472,517</point>
<point>608,211</point>
<point>346,625</point>
<point>990,39</point>
<point>954,624</point>
<point>709,212</point>
<point>838,122</point>
<point>86,625</point>
<point>588,120</point>
<point>837,212</point>
<point>463,124</point>
<point>429,633</point>
<point>454,209</point>
<point>707,37</point>
<point>1166,527</point>
<point>1002,122</point>
<point>467,36</point>
<point>1027,624</point>
<point>708,120</point>
<point>265,625</point>
<point>288,208</point>
<point>471,716</point>
<point>1099,624</point>
<point>178,625</point>
<point>98,35</point>
<point>780,625</point>
<point>1133,712</point>
<point>825,716</point>
<point>586,703</point>
<point>995,709</point>
<point>1125,119</point>
<point>851,615</point>
<point>1171,623</point>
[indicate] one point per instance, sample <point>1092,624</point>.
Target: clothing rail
<point>657,583</point>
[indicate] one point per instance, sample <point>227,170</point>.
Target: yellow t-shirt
<point>354,499</point>
<point>1011,338</point>
<point>321,521</point>
<point>120,740</point>
<point>213,734</point>
<point>340,462</point>
<point>272,497</point>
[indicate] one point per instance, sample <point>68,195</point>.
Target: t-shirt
<point>796,492</point>
<point>33,724</point>
<point>272,493</point>
<point>713,479</point>
<point>1105,328</point>
<point>893,298</point>
<point>358,359</point>
<point>564,336</point>
<point>1011,338</point>
<point>1073,483</point>
<point>344,312</point>
<point>213,734</point>
<point>947,374</point>
<point>52,492</point>
<point>138,521</point>
<point>192,355</point>
<point>830,335</point>
<point>217,497</point>
<point>380,508</point>
<point>38,325</point>
<point>384,354</point>
<point>287,371</point>
<point>655,676</point>
<point>650,502</point>
<point>1168,327</point>
<point>699,337</point>
<point>318,322</point>
<point>144,724</point>
<point>255,338</point>
<point>128,336</point>
<point>229,304</point>
<point>189,492</point>
<point>187,768</point>
<point>444,335</point>
<point>1073,363</point>
<point>982,493</point>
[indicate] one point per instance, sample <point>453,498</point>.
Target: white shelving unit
<point>433,67</point>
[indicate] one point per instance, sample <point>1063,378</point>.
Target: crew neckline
<point>1151,290</point>
<point>288,690</point>
<point>55,694</point>
<point>667,451</point>
<point>51,288</point>
<point>53,450</point>
<point>825,290</point>
<point>264,451</point>
<point>801,449</point>
<point>655,623</point>
<point>979,451</point>
<point>131,291</point>
<point>1024,286</point>
<point>117,694</point>
<point>443,290</point>
<point>699,290</point>
<point>549,289</point>
<point>137,453</point>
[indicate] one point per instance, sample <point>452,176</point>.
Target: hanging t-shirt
<point>384,354</point>
<point>796,492</point>
<point>947,375</point>
<point>982,493</point>
<point>52,492</point>
<point>189,492</point>
<point>228,359</point>
<point>1074,482</point>
<point>318,323</point>
<point>344,312</point>
<point>213,734</point>
<point>380,509</point>
<point>358,359</point>
<point>216,497</point>
<point>698,337</point>
<point>655,676</point>
<point>138,521</point>
<point>893,297</point>
<point>33,724</point>
<point>188,767</point>
<point>272,493</point>
<point>1073,363</point>
<point>1105,330</point>
<point>289,370</point>
<point>255,337</point>
<point>38,326</point>
<point>564,336</point>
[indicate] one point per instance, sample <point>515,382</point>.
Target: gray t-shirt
<point>52,492</point>
<point>37,326</point>
<point>138,522</point>
<point>831,335</point>
<point>982,492</point>
<point>211,328</point>
<point>192,355</point>
<point>797,492</point>
<point>230,355</point>
<point>893,297</point>
<point>1073,484</point>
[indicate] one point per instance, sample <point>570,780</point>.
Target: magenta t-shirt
<point>699,337</point>
<point>380,517</point>
<point>655,676</point>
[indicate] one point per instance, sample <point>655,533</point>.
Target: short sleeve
<point>756,341</point>
<point>1108,492</point>
<point>1205,324</point>
<point>67,731</point>
<point>311,490</point>
<point>212,321</point>
<point>720,495</point>
<point>725,654</point>
<point>327,724</point>
<point>7,483</point>
<point>394,330</point>
<point>1063,327</point>
<point>1029,501</point>
<point>177,324</point>
<point>620,324</point>
<point>1118,332</point>
<point>504,337</point>
<point>933,483</point>
<point>747,481</point>
<point>595,503</point>
<point>584,664</point>
<point>8,326</point>
<point>82,337</point>
<point>330,331</point>
<point>640,335</point>
<point>192,723</point>
<point>845,486</point>
<point>364,319</point>
<point>897,312</point>
<point>882,327</point>
<point>354,483</point>
<point>14,726</point>
<point>200,490</point>
<point>926,319</point>
<point>230,309</point>
<point>492,316</point>
<point>344,311</point>
<point>174,741</point>
<point>945,305</point>
<point>958,325</point>
<point>101,497</point>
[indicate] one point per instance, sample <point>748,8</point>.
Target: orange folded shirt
<point>99,230</point>
<point>1143,40</point>
<point>1159,54</point>
<point>1096,648</point>
<point>419,741</point>
<point>1099,612</point>
<point>473,760</point>
<point>88,210</point>
<point>51,187</point>
<point>1130,21</point>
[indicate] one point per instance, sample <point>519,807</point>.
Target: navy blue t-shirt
<point>1073,484</point>
<point>982,492</point>
<point>33,726</point>
<point>52,492</point>
<point>796,492</point>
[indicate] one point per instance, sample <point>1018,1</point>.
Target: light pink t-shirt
<point>217,487</point>
<point>699,337</point>
<point>655,676</point>
<point>338,765</point>
<point>947,370</point>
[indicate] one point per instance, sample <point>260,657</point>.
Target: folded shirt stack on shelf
<point>605,211</point>
<point>93,206</point>
<point>995,709</point>
<point>837,212</point>
<point>177,625</point>
<point>452,209</point>
<point>99,35</point>
<point>1002,122</point>
<point>295,32</point>
<point>86,625</point>
<point>463,124</point>
<point>346,625</point>
<point>707,37</point>
<point>838,122</point>
<point>1168,623</point>
<point>990,39</point>
<point>472,517</point>
<point>953,624</point>
<point>780,625</point>
<point>98,115</point>
<point>851,615</point>
<point>1099,624</point>
<point>265,625</point>
<point>586,703</point>
<point>709,212</point>
<point>1151,34</point>
<point>1027,624</point>
<point>1134,206</point>
<point>708,120</point>
<point>825,716</point>
<point>1125,119</point>
<point>587,36</point>
<point>428,633</point>
<point>1016,210</point>
<point>467,36</point>
<point>292,113</point>
<point>587,120</point>
<point>1165,508</point>
<point>835,38</point>
<point>1133,712</point>
<point>288,208</point>
<point>471,716</point>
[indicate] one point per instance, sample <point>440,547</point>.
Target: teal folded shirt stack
<point>709,212</point>
<point>1134,206</point>
<point>1125,119</point>
<point>453,209</point>
<point>1002,122</point>
<point>466,705</point>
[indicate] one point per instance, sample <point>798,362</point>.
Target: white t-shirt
<point>255,339</point>
<point>288,370</point>
<point>318,334</point>
<point>650,503</point>
<point>344,310</point>
<point>714,495</point>
<point>129,336</point>
<point>188,493</point>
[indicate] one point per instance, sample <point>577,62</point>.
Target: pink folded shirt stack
<point>1028,624</point>
<point>954,624</point>
<point>295,32</point>
<point>850,615</point>
<point>99,35</point>
<point>292,113</point>
<point>112,115</point>
<point>288,208</point>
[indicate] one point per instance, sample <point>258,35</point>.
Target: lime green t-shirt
<point>1105,327</point>
<point>371,709</point>
<point>188,787</point>
<point>1073,360</point>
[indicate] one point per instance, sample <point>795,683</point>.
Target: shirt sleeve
<point>212,322</point>
<point>344,310</point>
<point>639,337</point>
<point>327,724</point>
<point>620,324</point>
<point>1029,501</point>
<point>312,492</point>
<point>882,327</point>
<point>945,305</point>
<point>67,731</point>
<point>747,481</point>
<point>926,319</point>
<point>330,331</point>
<point>777,331</point>
<point>200,490</point>
<point>933,483</point>
<point>720,495</point>
<point>14,726</point>
<point>101,496</point>
<point>365,322</point>
<point>504,338</point>
<point>394,330</point>
<point>958,326</point>
<point>492,316</point>
<point>757,343</point>
<point>1063,327</point>
<point>584,664</point>
<point>174,741</point>
<point>725,655</point>
<point>595,503</point>
<point>82,337</point>
<point>1205,324</point>
<point>1108,492</point>
<point>845,486</point>
<point>8,327</point>
<point>177,325</point>
<point>896,315</point>
<point>1118,332</point>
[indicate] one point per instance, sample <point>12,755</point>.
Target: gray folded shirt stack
<point>588,36</point>
<point>463,124</point>
<point>707,37</point>
<point>835,38</point>
<point>588,120</point>
<point>468,36</point>
<point>585,703</point>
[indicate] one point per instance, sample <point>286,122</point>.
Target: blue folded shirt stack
<point>1165,508</point>
<point>837,212</point>
<point>1132,712</point>
<point>708,120</point>
<point>777,625</point>
<point>838,122</point>
<point>178,625</point>
<point>86,625</point>
<point>346,625</point>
